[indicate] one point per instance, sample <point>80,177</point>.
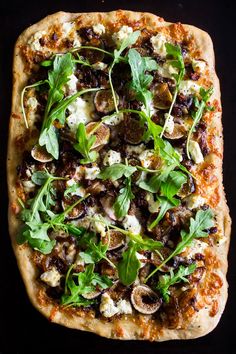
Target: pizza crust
<point>127,327</point>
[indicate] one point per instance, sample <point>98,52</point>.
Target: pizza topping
<point>120,131</point>
<point>159,44</point>
<point>145,300</point>
<point>195,152</point>
<point>51,277</point>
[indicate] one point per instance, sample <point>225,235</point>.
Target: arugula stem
<point>38,83</point>
<point>112,87</point>
<point>195,122</point>
<point>170,110</point>
<point>101,50</point>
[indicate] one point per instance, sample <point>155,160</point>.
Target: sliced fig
<point>178,132</point>
<point>145,300</point>
<point>104,101</point>
<point>101,132</point>
<point>95,187</point>
<point>114,239</point>
<point>187,188</point>
<point>39,153</point>
<point>162,96</point>
<point>133,132</point>
<point>137,174</point>
<point>77,212</point>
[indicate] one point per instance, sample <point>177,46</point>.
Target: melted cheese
<point>158,44</point>
<point>99,29</point>
<point>111,158</point>
<point>122,34</point>
<point>132,224</point>
<point>80,112</point>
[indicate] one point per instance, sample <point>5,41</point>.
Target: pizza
<point>117,212</point>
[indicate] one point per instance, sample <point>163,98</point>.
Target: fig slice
<point>114,239</point>
<point>39,153</point>
<point>104,101</point>
<point>162,96</point>
<point>77,212</point>
<point>178,132</point>
<point>133,133</point>
<point>101,132</point>
<point>145,300</point>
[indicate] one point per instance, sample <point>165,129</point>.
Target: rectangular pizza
<point>117,212</point>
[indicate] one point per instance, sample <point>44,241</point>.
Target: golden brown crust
<point>127,327</point>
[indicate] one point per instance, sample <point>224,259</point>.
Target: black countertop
<point>22,328</point>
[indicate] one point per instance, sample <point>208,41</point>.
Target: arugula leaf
<point>35,231</point>
<point>140,80</point>
<point>116,171</point>
<point>84,145</point>
<point>173,184</point>
<point>197,115</point>
<point>129,266</point>
<point>122,203</point>
<point>40,177</point>
<point>165,205</point>
<point>130,40</point>
<point>203,220</point>
<point>71,189</point>
<point>166,280</point>
<point>178,62</point>
<point>82,283</point>
<point>94,251</point>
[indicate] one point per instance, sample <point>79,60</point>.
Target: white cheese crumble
<point>111,158</point>
<point>153,206</point>
<point>98,226</point>
<point>198,65</point>
<point>195,152</point>
<point>170,124</point>
<point>79,191</point>
<point>32,103</point>
<point>196,247</point>
<point>146,158</point>
<point>122,34</point>
<point>34,41</point>
<point>124,307</point>
<point>158,44</point>
<point>71,85</point>
<point>115,120</point>
<point>91,172</point>
<point>194,201</point>
<point>132,224</point>
<point>66,28</point>
<point>99,29</point>
<point>80,112</point>
<point>188,87</point>
<point>108,308</point>
<point>29,186</point>
<point>135,149</point>
<point>167,70</point>
<point>51,277</point>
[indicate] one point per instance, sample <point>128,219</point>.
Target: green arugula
<point>84,145</point>
<point>71,189</point>
<point>36,84</point>
<point>177,62</point>
<point>129,266</point>
<point>165,281</point>
<point>35,230</point>
<point>127,42</point>
<point>116,171</point>
<point>78,284</point>
<point>203,221</point>
<point>140,80</point>
<point>94,251</point>
<point>197,115</point>
<point>168,189</point>
<point>122,202</point>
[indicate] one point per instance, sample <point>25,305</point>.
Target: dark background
<point>22,328</point>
